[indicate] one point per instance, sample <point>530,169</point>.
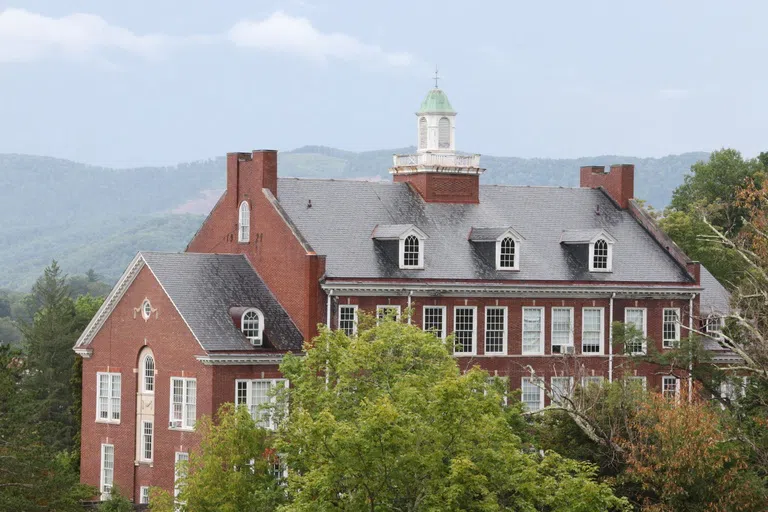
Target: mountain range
<point>89,217</point>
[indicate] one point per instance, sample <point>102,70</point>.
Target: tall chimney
<point>248,173</point>
<point>618,182</point>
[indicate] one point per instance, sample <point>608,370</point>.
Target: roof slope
<point>715,299</point>
<point>344,213</point>
<point>205,286</point>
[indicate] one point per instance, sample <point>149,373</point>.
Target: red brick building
<point>527,279</point>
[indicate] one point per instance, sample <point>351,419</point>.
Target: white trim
<point>602,330</point>
<point>110,410</point>
<point>147,353</point>
<point>144,494</point>
<point>270,423</point>
<point>568,392</point>
<point>645,328</point>
<point>541,330</point>
<point>178,456</point>
<point>396,307</point>
<point>675,342</point>
<point>354,317</point>
<point>244,235</point>
<point>665,379</point>
<point>473,349</point>
<point>635,378</point>
<point>143,449</point>
<point>144,305</point>
<point>716,335</point>
<point>552,329</point>
<point>421,237</point>
<point>517,239</point>
<point>609,241</point>
<point>537,382</point>
<point>505,333</point>
<point>105,494</point>
<point>240,359</point>
<point>172,423</point>
<point>444,321</point>
<point>256,341</point>
<point>85,353</point>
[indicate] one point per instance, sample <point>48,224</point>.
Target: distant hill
<point>96,217</point>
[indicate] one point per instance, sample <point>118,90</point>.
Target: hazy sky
<point>137,82</point>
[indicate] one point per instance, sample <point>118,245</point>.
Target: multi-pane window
<point>348,319</point>
<point>532,393</point>
<point>107,470</point>
<point>183,402</point>
<point>178,472</point>
<point>495,330</point>
<point>591,380</point>
<point>671,328</point>
<point>278,470</point>
<point>600,255</point>
<point>592,330</point>
<point>561,388</point>
<point>670,386</point>
<point>434,320</point>
<point>411,251</point>
<point>253,326</point>
<point>146,440</point>
<point>507,253</point>
<point>714,327</point>
<point>733,389</point>
<point>635,317</point>
<point>259,396</point>
<point>148,374</point>
<point>244,224</point>
<point>146,309</point>
<point>533,330</point>
<point>144,494</point>
<point>387,313</point>
<point>562,329</point>
<point>464,329</point>
<point>636,380</point>
<point>108,397</point>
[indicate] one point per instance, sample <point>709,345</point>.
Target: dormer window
<point>600,247</point>
<point>252,325</point>
<point>507,253</point>
<point>507,246</point>
<point>411,252</point>
<point>600,256</point>
<point>244,223</point>
<point>410,243</point>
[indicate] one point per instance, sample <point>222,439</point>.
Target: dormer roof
<point>585,236</point>
<point>492,234</point>
<point>396,231</point>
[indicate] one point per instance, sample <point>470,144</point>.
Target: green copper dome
<point>436,102</point>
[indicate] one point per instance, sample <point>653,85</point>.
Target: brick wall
<point>618,182</point>
<point>444,188</point>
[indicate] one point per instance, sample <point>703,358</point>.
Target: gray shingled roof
<point>344,213</point>
<point>205,286</point>
<point>578,236</point>
<point>715,299</point>
<point>390,231</point>
<point>486,234</point>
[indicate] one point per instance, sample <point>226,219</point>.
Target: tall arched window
<point>444,133</point>
<point>148,373</point>
<point>507,253</point>
<point>244,224</point>
<point>423,133</point>
<point>600,255</point>
<point>252,325</point>
<point>411,251</point>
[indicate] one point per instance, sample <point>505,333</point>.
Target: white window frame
<point>185,423</point>
<point>715,334</point>
<point>592,379</point>
<point>114,404</point>
<point>147,438</point>
<point>146,309</point>
<point>353,307</point>
<point>145,375</point>
<point>540,351</point>
<point>637,378</point>
<point>443,321</point>
<point>105,487</point>
<point>645,328</point>
<point>517,239</point>
<point>382,307</point>
<point>734,388</point>
<point>552,328</point>
<point>505,327</point>
<point>178,457</point>
<point>602,330</point>
<point>256,341</point>
<point>553,388</point>
<point>473,349</point>
<point>668,378</point>
<point>674,342</point>
<point>421,237</point>
<point>535,381</point>
<point>144,494</point>
<point>257,410</point>
<point>244,222</point>
<point>609,241</point>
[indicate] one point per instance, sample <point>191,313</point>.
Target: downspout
<point>328,310</point>
<point>409,306</point>
<point>610,339</point>
<point>690,363</point>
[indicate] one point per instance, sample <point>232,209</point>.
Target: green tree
<point>116,502</point>
<point>5,307</point>
<point>386,421</point>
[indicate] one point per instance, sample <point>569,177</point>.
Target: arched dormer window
<point>507,254</point>
<point>423,133</point>
<point>600,256</point>
<point>244,223</point>
<point>412,249</point>
<point>252,325</point>
<point>148,373</point>
<point>444,133</point>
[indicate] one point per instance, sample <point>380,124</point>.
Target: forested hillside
<point>97,218</point>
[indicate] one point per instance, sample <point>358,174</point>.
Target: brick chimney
<point>248,173</point>
<point>618,182</point>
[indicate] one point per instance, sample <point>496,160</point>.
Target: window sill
<point>601,270</point>
<point>182,429</point>
<point>108,422</point>
<point>148,463</point>
<point>508,269</point>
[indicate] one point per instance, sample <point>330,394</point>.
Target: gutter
<point>610,339</point>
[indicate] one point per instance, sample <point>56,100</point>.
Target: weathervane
<point>437,77</point>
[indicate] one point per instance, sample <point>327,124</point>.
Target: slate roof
<point>345,213</point>
<point>486,234</point>
<point>390,231</point>
<point>579,236</point>
<point>715,299</point>
<point>205,286</point>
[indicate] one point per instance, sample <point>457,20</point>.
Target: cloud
<point>282,33</point>
<point>26,36</point>
<point>674,94</point>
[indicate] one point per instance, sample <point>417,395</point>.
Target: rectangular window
<point>562,329</point>
<point>591,380</point>
<point>392,312</point>
<point>108,397</point>
<point>144,494</point>
<point>561,388</point>
<point>348,319</point>
<point>107,470</point>
<point>464,329</point>
<point>634,380</point>
<point>532,394</point>
<point>260,396</point>
<point>636,318</point>
<point>592,334</point>
<point>178,472</point>
<point>146,440</point>
<point>495,330</point>
<point>434,320</point>
<point>533,330</point>
<point>183,403</point>
<point>733,388</point>
<point>670,386</point>
<point>714,327</point>
<point>671,328</point>
<point>278,470</point>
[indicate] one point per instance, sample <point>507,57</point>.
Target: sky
<point>157,82</point>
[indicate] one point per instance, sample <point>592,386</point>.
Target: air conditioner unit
<point>174,424</point>
<point>256,342</point>
<point>562,349</point>
<point>569,349</point>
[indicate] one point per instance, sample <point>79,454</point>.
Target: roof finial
<point>437,77</point>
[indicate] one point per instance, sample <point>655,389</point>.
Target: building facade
<point>528,280</point>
